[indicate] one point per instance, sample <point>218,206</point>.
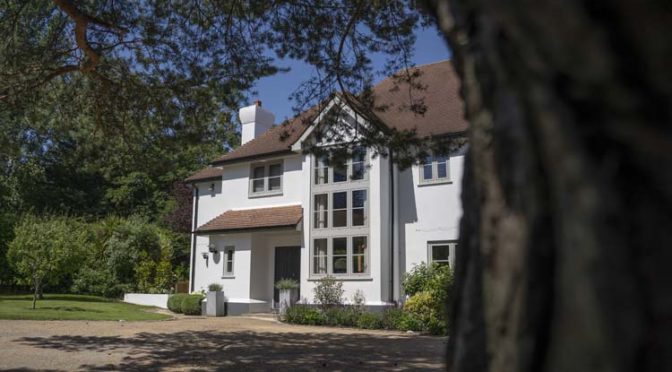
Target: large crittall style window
<point>435,169</point>
<point>229,252</point>
<point>341,256</point>
<point>442,252</point>
<point>266,179</point>
<point>340,211</point>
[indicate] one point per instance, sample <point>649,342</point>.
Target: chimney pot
<point>258,103</point>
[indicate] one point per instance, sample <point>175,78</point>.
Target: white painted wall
<point>158,300</point>
<point>211,270</point>
<point>428,212</point>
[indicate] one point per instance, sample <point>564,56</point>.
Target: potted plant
<point>289,293</point>
<point>215,301</point>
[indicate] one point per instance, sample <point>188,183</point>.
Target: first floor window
<point>442,252</point>
<point>341,255</point>
<point>435,169</point>
<point>229,252</point>
<point>266,179</point>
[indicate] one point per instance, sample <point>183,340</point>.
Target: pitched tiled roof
<point>276,140</point>
<point>275,217</point>
<point>440,96</point>
<point>209,173</point>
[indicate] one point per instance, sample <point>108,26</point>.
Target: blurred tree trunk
<point>566,252</point>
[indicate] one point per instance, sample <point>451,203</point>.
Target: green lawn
<point>73,307</point>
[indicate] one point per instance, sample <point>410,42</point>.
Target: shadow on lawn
<point>209,350</point>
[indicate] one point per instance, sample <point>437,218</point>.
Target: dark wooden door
<point>287,266</point>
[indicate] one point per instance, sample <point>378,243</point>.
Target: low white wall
<point>158,300</point>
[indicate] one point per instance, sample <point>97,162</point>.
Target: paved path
<point>209,344</point>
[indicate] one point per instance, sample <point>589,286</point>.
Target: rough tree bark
<point>567,227</point>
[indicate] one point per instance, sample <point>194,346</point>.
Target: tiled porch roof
<point>249,219</point>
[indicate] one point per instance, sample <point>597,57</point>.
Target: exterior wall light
<point>212,248</point>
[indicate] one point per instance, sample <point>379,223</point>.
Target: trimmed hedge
<point>187,304</point>
<point>175,302</point>
<point>191,305</point>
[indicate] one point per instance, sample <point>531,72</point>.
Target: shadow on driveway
<point>211,350</point>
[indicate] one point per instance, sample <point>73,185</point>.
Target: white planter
<point>287,297</point>
<point>215,304</point>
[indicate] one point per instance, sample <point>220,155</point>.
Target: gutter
<point>193,240</point>
<point>393,226</point>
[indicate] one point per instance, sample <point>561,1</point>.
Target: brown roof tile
<point>288,216</point>
<point>441,97</point>
<point>209,173</point>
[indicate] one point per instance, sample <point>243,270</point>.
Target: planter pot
<point>215,304</point>
<point>287,297</point>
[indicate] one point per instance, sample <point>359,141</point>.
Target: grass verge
<point>73,307</point>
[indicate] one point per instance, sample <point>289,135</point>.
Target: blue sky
<point>274,91</point>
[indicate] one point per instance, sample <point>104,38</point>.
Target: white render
<point>424,213</point>
<point>158,300</point>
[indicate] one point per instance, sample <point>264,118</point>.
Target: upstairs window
<point>435,169</point>
<point>266,179</point>
<point>353,170</point>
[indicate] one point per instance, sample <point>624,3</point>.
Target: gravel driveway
<point>229,343</point>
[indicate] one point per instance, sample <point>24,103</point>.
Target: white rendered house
<point>268,210</point>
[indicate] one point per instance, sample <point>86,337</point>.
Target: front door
<point>287,266</point>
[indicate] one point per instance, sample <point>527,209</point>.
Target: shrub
<point>328,292</point>
<point>215,287</point>
<point>286,284</point>
<point>175,302</point>
<point>302,314</point>
<point>191,305</point>
<point>392,318</point>
<point>423,308</point>
<point>344,316</point>
<point>368,320</point>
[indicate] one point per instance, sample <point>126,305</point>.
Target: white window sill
<point>341,278</point>
<point>264,194</point>
<point>435,182</point>
<point>228,277</point>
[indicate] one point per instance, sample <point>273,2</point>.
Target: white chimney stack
<point>255,121</point>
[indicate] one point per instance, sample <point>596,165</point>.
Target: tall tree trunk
<point>36,293</point>
<point>567,227</point>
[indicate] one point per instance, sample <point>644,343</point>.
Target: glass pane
<point>358,171</point>
<point>358,217</point>
<point>340,218</point>
<point>358,198</point>
<point>275,170</point>
<point>321,212</point>
<point>258,172</point>
<point>359,245</point>
<point>427,171</point>
<point>258,185</point>
<point>358,154</point>
<point>442,170</point>
<point>340,200</point>
<point>321,176</point>
<point>340,265</point>
<point>320,247</point>
<point>440,252</point>
<point>341,173</point>
<point>229,267</point>
<point>320,265</point>
<point>274,183</point>
<point>340,246</point>
<point>358,264</point>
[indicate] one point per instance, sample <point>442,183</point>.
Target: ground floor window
<point>347,255</point>
<point>442,253</point>
<point>229,252</point>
